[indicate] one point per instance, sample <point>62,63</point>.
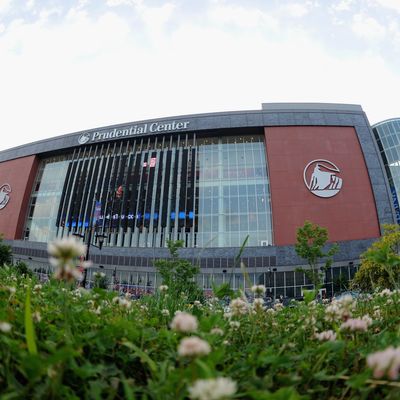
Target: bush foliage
<point>380,264</point>
<point>63,342</point>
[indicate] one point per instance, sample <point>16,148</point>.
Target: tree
<point>5,253</point>
<point>311,240</point>
<point>178,274</point>
<point>380,264</point>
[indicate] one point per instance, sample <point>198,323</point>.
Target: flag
<point>119,192</point>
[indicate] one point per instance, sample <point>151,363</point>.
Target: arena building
<point>210,180</point>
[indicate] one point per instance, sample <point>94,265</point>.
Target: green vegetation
<point>179,274</point>
<point>311,240</point>
<point>60,342</point>
<point>380,264</point>
<point>5,253</point>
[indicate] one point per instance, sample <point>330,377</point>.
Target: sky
<point>73,65</point>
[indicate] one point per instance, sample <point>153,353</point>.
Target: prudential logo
<point>5,191</point>
<point>321,178</point>
<point>84,138</point>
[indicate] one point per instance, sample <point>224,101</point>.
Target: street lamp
<point>98,237</point>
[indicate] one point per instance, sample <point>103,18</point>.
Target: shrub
<point>5,253</point>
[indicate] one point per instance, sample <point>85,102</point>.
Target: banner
<point>97,212</point>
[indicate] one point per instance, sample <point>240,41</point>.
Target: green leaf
<point>127,390</point>
<point>29,328</point>
<point>205,368</point>
<point>144,357</point>
<point>287,393</point>
<point>358,381</point>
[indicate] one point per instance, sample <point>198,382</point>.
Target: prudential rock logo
<point>5,191</point>
<point>321,178</point>
<point>84,138</point>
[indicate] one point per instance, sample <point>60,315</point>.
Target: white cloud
<point>296,10</point>
<point>242,17</point>
<point>5,6</point>
<point>367,27</point>
<point>155,17</point>
<point>92,70</point>
<point>342,5</point>
<point>391,4</point>
<point>30,4</point>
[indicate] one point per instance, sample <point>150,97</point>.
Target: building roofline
<point>385,121</point>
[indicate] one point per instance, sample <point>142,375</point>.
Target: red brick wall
<point>20,175</point>
<point>349,215</point>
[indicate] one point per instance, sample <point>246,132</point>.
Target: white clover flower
<point>36,316</point>
<point>346,301</point>
<point>278,306</point>
<point>340,310</point>
<point>163,288</point>
<point>217,331</point>
<point>385,362</point>
<point>239,307</point>
<point>270,311</point>
<point>122,302</point>
<point>356,324</point>
<point>5,327</point>
<point>11,289</point>
<point>66,249</point>
<point>165,312</point>
<point>258,304</point>
<point>385,292</point>
<point>67,273</point>
<point>97,310</point>
<point>258,290</point>
<point>227,315</point>
<point>326,336</point>
<point>368,320</point>
<point>184,322</point>
<point>63,255</point>
<point>234,325</point>
<point>377,312</point>
<point>197,303</point>
<point>37,288</point>
<point>212,389</point>
<point>193,346</point>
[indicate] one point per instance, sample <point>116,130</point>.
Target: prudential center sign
<point>140,129</point>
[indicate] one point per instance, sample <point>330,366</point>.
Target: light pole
<point>98,236</point>
<point>270,281</point>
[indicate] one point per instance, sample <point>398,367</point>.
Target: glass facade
<point>45,199</point>
<point>288,284</point>
<point>387,135</point>
<point>209,192</point>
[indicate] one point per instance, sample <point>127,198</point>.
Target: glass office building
<point>387,135</point>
